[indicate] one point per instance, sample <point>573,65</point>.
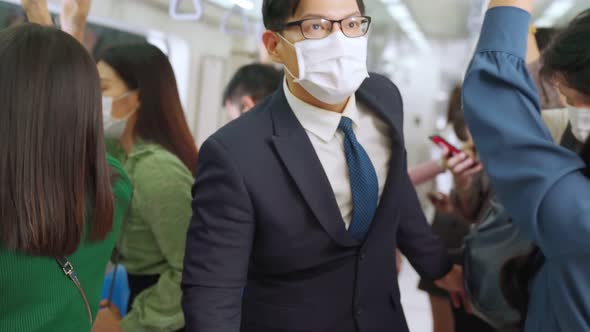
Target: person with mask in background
<point>295,227</point>
<point>62,199</point>
<point>473,198</point>
<point>543,186</point>
<point>147,132</point>
<point>569,126</point>
<point>250,85</point>
<point>578,129</point>
<point>538,40</point>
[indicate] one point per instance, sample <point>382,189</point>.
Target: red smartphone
<point>443,143</point>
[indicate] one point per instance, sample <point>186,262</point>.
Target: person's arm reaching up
<point>526,5</point>
<point>533,53</point>
<point>37,11</point>
<point>72,18</point>
<point>74,14</point>
<point>539,183</point>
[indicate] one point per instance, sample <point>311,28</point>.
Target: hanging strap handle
<point>69,271</point>
<point>174,11</point>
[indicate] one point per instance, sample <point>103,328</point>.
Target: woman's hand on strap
<point>74,14</point>
<point>37,11</point>
<point>522,4</point>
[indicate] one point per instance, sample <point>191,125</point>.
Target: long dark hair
<point>568,56</point>
<point>455,115</point>
<point>160,118</point>
<point>53,171</point>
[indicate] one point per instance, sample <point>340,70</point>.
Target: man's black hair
<point>255,80</point>
<point>275,13</point>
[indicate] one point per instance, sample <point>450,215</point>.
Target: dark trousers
<point>465,322</point>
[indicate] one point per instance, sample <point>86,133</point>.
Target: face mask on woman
<point>113,127</point>
<point>580,121</point>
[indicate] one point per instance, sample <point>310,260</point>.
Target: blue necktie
<point>363,182</point>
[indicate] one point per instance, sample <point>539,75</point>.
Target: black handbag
<point>489,245</point>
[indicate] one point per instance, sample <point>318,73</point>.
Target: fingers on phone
<point>456,160</point>
<point>478,167</point>
<point>455,300</point>
<point>432,197</point>
<point>462,164</point>
<point>435,198</point>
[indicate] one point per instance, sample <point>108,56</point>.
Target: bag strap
<point>69,271</point>
<point>117,254</point>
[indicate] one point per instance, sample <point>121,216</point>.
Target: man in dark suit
<point>300,204</point>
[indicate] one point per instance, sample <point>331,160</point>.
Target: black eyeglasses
<point>320,28</point>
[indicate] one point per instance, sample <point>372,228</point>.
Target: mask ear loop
<point>107,105</point>
<point>121,97</point>
<point>300,63</point>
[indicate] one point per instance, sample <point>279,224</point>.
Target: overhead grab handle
<point>244,20</point>
<point>175,13</point>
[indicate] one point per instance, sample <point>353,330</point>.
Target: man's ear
<point>272,43</point>
<point>247,103</point>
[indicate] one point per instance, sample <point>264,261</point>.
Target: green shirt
<point>35,294</point>
<point>153,235</point>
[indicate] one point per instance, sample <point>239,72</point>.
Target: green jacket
<point>153,235</point>
<point>36,296</point>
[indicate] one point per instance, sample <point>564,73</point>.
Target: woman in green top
<point>149,135</point>
<point>56,193</point>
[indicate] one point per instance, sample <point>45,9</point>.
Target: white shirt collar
<point>320,122</point>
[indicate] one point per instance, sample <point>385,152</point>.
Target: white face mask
<point>580,121</point>
<point>113,128</point>
<point>331,69</point>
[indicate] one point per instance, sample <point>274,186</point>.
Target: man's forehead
<point>329,9</point>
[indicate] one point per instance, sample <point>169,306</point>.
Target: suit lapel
<point>386,110</point>
<point>301,161</point>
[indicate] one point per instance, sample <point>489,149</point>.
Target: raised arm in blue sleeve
<point>539,182</point>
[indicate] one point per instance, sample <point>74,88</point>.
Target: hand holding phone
<point>463,168</point>
<point>443,143</point>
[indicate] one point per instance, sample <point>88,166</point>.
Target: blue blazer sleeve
<point>218,246</point>
<point>539,182</point>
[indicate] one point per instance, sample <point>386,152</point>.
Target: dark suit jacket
<point>266,220</point>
